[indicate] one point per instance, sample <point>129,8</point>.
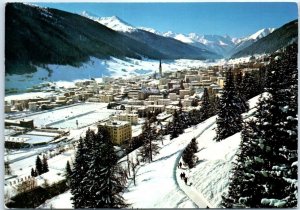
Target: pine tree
<point>214,101</point>
<point>38,166</point>
<point>194,145</point>
<point>250,86</point>
<point>79,195</point>
<point>245,176</point>
<point>188,154</point>
<point>45,167</point>
<point>267,165</point>
<point>33,173</point>
<point>206,108</point>
<point>68,170</point>
<point>176,126</point>
<point>240,92</point>
<point>284,136</point>
<point>150,147</point>
<point>101,181</point>
<point>229,119</point>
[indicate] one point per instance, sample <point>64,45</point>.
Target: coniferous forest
<point>265,172</point>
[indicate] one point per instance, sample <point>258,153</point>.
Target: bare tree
<point>27,185</point>
<point>7,168</point>
<point>128,164</point>
<point>134,171</point>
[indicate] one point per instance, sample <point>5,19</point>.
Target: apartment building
<point>120,131</point>
<point>106,98</point>
<point>132,118</point>
<point>183,93</point>
<point>155,97</point>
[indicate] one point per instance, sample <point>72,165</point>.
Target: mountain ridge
<point>220,44</point>
<point>279,38</point>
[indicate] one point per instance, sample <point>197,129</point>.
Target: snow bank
<point>61,201</point>
<point>210,177</point>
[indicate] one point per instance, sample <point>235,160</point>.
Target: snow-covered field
<point>85,114</point>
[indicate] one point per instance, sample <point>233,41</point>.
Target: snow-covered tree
<point>266,171</point>
<point>206,108</point>
<point>229,119</point>
<point>250,86</point>
<point>188,154</point>
<point>96,181</point>
<point>80,168</point>
<point>176,127</point>
<point>245,178</point>
<point>68,170</point>
<point>240,91</point>
<point>101,181</point>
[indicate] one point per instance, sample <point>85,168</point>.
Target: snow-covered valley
<point>66,75</point>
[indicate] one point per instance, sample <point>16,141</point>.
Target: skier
<point>180,164</point>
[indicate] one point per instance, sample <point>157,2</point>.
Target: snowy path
<point>159,176</point>
<point>189,190</point>
<point>192,190</point>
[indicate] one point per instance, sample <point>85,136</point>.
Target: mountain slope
<point>223,45</point>
<point>37,36</point>
<point>281,37</point>
<point>174,48</point>
<point>247,41</point>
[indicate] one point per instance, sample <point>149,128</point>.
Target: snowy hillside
<point>97,68</point>
<point>158,183</point>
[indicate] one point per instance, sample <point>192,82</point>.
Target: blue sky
<point>233,19</point>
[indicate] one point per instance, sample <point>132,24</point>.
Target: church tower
<point>160,68</point>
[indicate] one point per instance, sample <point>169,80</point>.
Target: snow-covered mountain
<point>259,34</point>
<point>221,45</point>
<point>174,48</point>
<point>113,22</point>
<point>247,41</point>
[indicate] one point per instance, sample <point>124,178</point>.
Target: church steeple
<point>160,68</point>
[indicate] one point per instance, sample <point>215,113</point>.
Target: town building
<point>106,98</point>
<point>132,118</point>
<point>183,93</point>
<point>120,131</point>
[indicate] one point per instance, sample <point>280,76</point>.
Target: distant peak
<point>261,33</point>
<point>113,22</point>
